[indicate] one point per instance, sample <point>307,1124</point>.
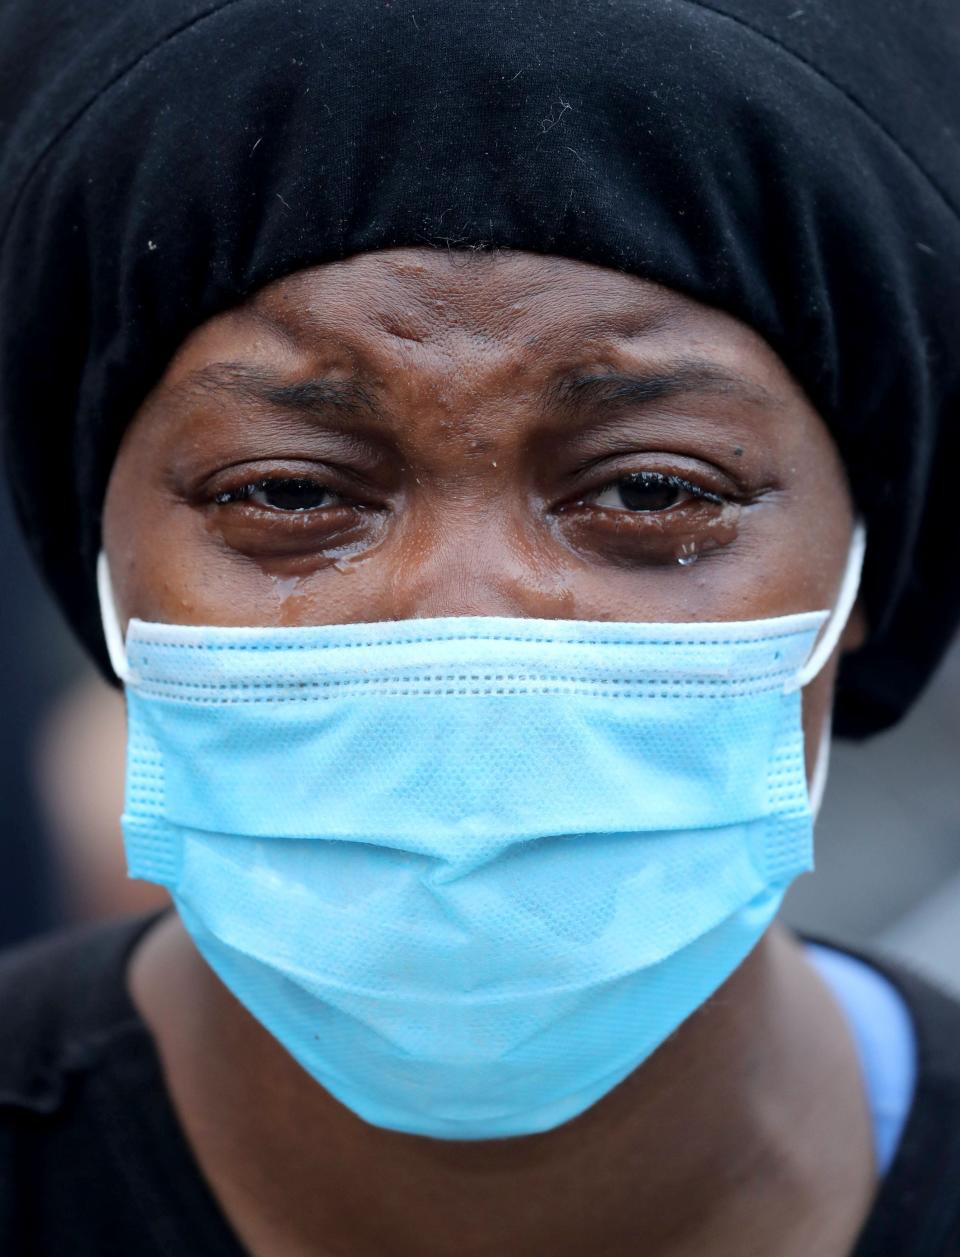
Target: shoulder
<point>917,1210</point>
<point>62,998</point>
<point>936,1019</point>
<point>83,1115</point>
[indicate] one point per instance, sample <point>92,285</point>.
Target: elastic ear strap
<point>111,624</point>
<point>818,782</point>
<point>837,622</point>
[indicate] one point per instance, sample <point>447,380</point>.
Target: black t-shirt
<point>94,1164</point>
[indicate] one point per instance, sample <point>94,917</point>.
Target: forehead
<point>483,318</point>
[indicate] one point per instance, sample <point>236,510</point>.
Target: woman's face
<point>414,433</point>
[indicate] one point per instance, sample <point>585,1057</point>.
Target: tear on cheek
<point>678,537</point>
<point>709,535</point>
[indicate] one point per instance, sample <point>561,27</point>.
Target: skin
<point>474,418</point>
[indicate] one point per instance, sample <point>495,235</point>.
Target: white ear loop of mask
<point>833,628</point>
<point>824,648</point>
<point>111,624</point>
<point>821,768</point>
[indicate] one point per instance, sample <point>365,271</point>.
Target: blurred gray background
<point>888,838</point>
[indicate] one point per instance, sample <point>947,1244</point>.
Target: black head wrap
<point>795,162</point>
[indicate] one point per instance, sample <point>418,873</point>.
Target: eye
<point>649,491</point>
<point>292,493</point>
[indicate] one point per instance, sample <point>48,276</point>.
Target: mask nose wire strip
<point>832,630</point>
<point>111,624</point>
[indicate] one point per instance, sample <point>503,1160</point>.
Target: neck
<point>746,1130</point>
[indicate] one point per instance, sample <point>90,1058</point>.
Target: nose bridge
<point>477,564</point>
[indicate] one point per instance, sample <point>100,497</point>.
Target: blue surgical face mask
<point>471,872</point>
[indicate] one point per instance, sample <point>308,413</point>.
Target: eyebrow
<point>315,397</point>
<point>580,391</point>
<point>576,392</point>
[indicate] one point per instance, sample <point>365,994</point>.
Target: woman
<point>480,611</point>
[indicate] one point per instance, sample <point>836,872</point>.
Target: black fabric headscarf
<point>794,162</point>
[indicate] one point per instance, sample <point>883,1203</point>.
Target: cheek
<point>158,549</point>
<point>772,559</point>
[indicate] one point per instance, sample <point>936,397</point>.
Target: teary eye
<point>282,494</point>
<point>649,491</point>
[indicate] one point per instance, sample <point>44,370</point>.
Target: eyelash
<point>666,480</point>
<point>246,491</point>
<point>227,496</point>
